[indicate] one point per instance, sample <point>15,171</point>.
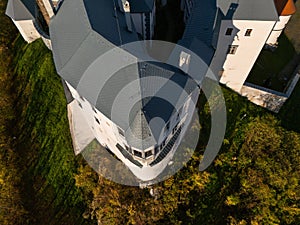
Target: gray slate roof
<point>21,9</point>
<point>75,34</point>
<point>202,27</point>
<point>138,6</point>
<point>82,31</point>
<point>199,29</point>
<point>263,10</point>
<point>205,17</point>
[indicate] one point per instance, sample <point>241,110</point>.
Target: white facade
<point>277,30</point>
<point>48,7</point>
<point>237,52</point>
<point>27,30</point>
<point>83,116</point>
<point>27,19</point>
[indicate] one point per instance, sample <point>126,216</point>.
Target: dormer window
<point>96,119</point>
<point>94,109</point>
<point>163,144</point>
<point>82,98</point>
<point>148,154</point>
<point>126,6</point>
<point>128,149</point>
<point>179,114</point>
<point>167,127</point>
<point>156,149</point>
<point>121,132</point>
<point>137,153</point>
<point>184,61</point>
<point>175,128</point>
<point>229,31</point>
<point>232,49</point>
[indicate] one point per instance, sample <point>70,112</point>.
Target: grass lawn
<point>43,139</point>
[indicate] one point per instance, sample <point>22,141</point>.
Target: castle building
<point>143,127</point>
<point>237,31</point>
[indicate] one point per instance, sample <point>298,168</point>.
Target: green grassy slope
<point>37,163</point>
<point>43,138</point>
<point>12,210</point>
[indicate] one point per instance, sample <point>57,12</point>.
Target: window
<point>156,150</point>
<point>121,132</point>
<point>167,127</point>
<point>179,114</point>
<point>148,154</point>
<point>221,72</point>
<point>248,32</point>
<point>229,31</point>
<point>232,49</point>
<point>82,98</point>
<point>163,144</point>
<point>175,128</point>
<point>184,59</point>
<point>137,153</point>
<point>94,110</point>
<point>97,120</point>
<point>128,148</point>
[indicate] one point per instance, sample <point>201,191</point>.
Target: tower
<point>285,9</point>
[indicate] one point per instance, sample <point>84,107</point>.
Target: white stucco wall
<point>77,124</point>
<point>27,30</point>
<point>236,67</point>
<point>49,7</point>
<point>107,133</point>
<point>277,30</point>
<point>47,42</point>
